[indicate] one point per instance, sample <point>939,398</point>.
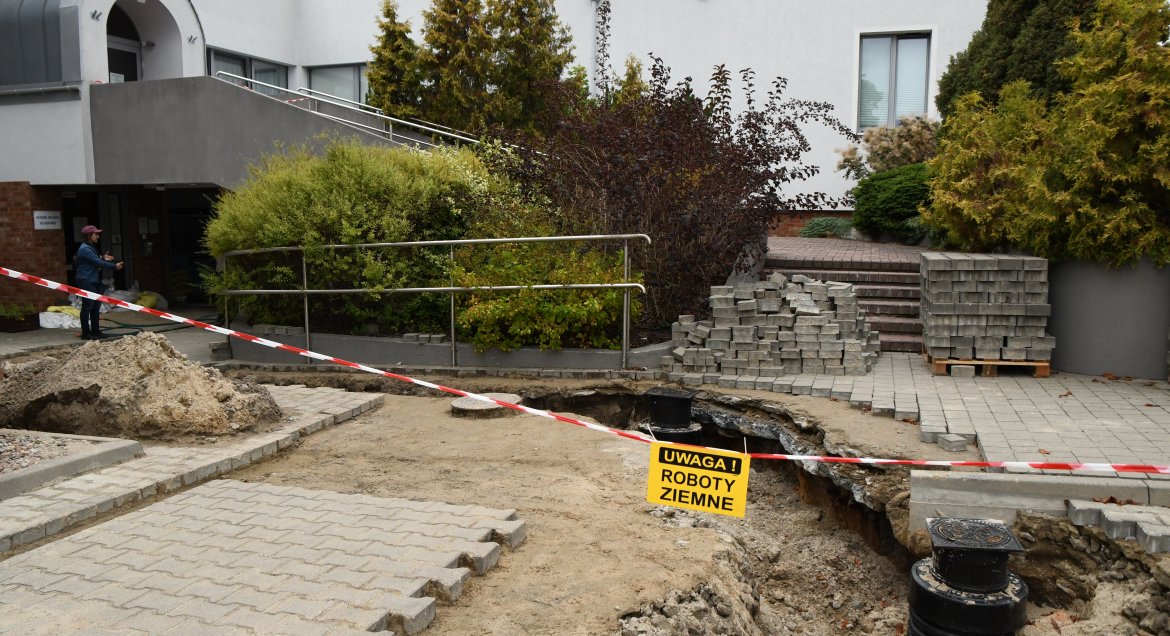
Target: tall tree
<point>393,73</point>
<point>454,64</point>
<point>530,54</point>
<point>1019,40</point>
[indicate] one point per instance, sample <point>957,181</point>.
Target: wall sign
<point>46,220</point>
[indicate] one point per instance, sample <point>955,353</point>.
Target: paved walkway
<point>818,252</point>
<point>235,557</point>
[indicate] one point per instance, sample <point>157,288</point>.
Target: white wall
<point>45,143</point>
<point>813,43</point>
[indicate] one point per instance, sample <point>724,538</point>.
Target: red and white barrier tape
<point>1121,468</point>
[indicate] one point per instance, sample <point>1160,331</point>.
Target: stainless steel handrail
<point>328,97</point>
<point>525,239</point>
<point>305,292</point>
<point>390,120</point>
<point>354,124</point>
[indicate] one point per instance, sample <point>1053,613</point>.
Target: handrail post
<point>305,297</point>
<point>451,278</point>
<point>626,304</point>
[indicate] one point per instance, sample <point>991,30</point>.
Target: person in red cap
<point>88,268</point>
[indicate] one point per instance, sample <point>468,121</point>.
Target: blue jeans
<point>90,310</point>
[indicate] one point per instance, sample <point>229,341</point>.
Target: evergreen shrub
<point>887,203</point>
<point>823,226</point>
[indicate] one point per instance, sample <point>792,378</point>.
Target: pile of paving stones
<point>774,327</point>
<point>985,307</point>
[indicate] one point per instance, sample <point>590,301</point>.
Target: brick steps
<point>895,324</point>
<point>887,292</point>
<point>895,307</point>
<point>852,275</point>
<point>904,342</point>
<point>855,263</point>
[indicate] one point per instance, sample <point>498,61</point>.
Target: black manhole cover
<point>972,533</point>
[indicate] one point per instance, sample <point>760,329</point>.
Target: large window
<point>893,78</point>
<point>252,68</point>
<point>347,82</point>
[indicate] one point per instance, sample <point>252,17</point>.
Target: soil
<point>137,387</point>
<point>600,560</point>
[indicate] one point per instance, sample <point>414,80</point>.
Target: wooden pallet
<point>989,368</point>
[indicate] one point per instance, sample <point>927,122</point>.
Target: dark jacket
<point>89,264</point>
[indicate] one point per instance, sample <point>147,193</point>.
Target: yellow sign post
<point>708,480</point>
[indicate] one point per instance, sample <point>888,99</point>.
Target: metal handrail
<point>305,292</point>
<point>328,97</point>
<point>366,113</point>
<point>354,124</point>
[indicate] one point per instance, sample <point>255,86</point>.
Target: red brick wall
<point>789,223</point>
<point>39,252</point>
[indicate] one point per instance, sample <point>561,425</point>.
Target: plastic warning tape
<point>1014,465</point>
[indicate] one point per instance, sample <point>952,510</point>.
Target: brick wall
<point>789,223</point>
<point>39,252</point>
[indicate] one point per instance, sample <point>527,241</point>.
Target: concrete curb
<point>107,451</point>
<point>1003,495</point>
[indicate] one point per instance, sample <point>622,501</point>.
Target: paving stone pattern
<point>47,511</point>
<point>985,307</point>
<point>1149,526</point>
<point>236,557</point>
<point>773,327</point>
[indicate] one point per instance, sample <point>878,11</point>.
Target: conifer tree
<point>393,73</point>
<point>454,64</point>
<point>1019,40</point>
<point>530,54</point>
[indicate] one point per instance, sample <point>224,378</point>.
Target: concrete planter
<point>1114,321</point>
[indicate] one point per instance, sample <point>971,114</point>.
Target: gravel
<point>20,450</point>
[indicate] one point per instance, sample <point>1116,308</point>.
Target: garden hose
<point>125,329</point>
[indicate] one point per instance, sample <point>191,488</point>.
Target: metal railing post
<point>626,304</point>
<point>305,297</point>
<point>451,278</point>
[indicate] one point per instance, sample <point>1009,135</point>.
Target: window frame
<point>891,118</point>
<point>358,80</point>
<point>249,64</point>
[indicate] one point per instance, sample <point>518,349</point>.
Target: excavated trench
<point>1079,575</point>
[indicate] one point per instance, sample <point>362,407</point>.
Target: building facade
<point>109,114</point>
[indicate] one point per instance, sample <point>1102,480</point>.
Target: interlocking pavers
<point>263,578</point>
<point>44,512</point>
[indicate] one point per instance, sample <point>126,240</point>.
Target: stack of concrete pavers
<point>985,307</point>
<point>774,327</point>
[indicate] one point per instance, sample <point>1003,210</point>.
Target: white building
<point>108,116</point>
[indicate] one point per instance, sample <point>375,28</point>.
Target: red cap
<point>90,229</point>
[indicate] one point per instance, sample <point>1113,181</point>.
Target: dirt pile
<point>138,387</point>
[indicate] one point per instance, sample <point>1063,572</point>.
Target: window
<point>893,78</point>
<point>347,82</point>
<point>252,68</point>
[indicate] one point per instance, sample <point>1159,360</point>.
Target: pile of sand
<point>137,387</point>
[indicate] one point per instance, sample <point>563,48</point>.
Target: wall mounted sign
<point>46,220</point>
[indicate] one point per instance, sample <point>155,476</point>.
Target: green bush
<point>826,226</point>
<point>352,194</point>
<point>549,319</point>
<point>360,194</point>
<point>886,203</point>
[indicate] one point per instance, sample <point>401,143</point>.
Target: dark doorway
<point>106,210</point>
<point>190,210</point>
<point>124,47</point>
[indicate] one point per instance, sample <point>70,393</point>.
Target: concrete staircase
<point>888,291</point>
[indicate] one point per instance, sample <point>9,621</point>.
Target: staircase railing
<point>349,105</point>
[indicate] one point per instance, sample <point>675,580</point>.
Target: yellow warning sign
<point>708,480</point>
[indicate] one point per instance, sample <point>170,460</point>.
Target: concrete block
<point>1085,513</point>
<point>952,442</point>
